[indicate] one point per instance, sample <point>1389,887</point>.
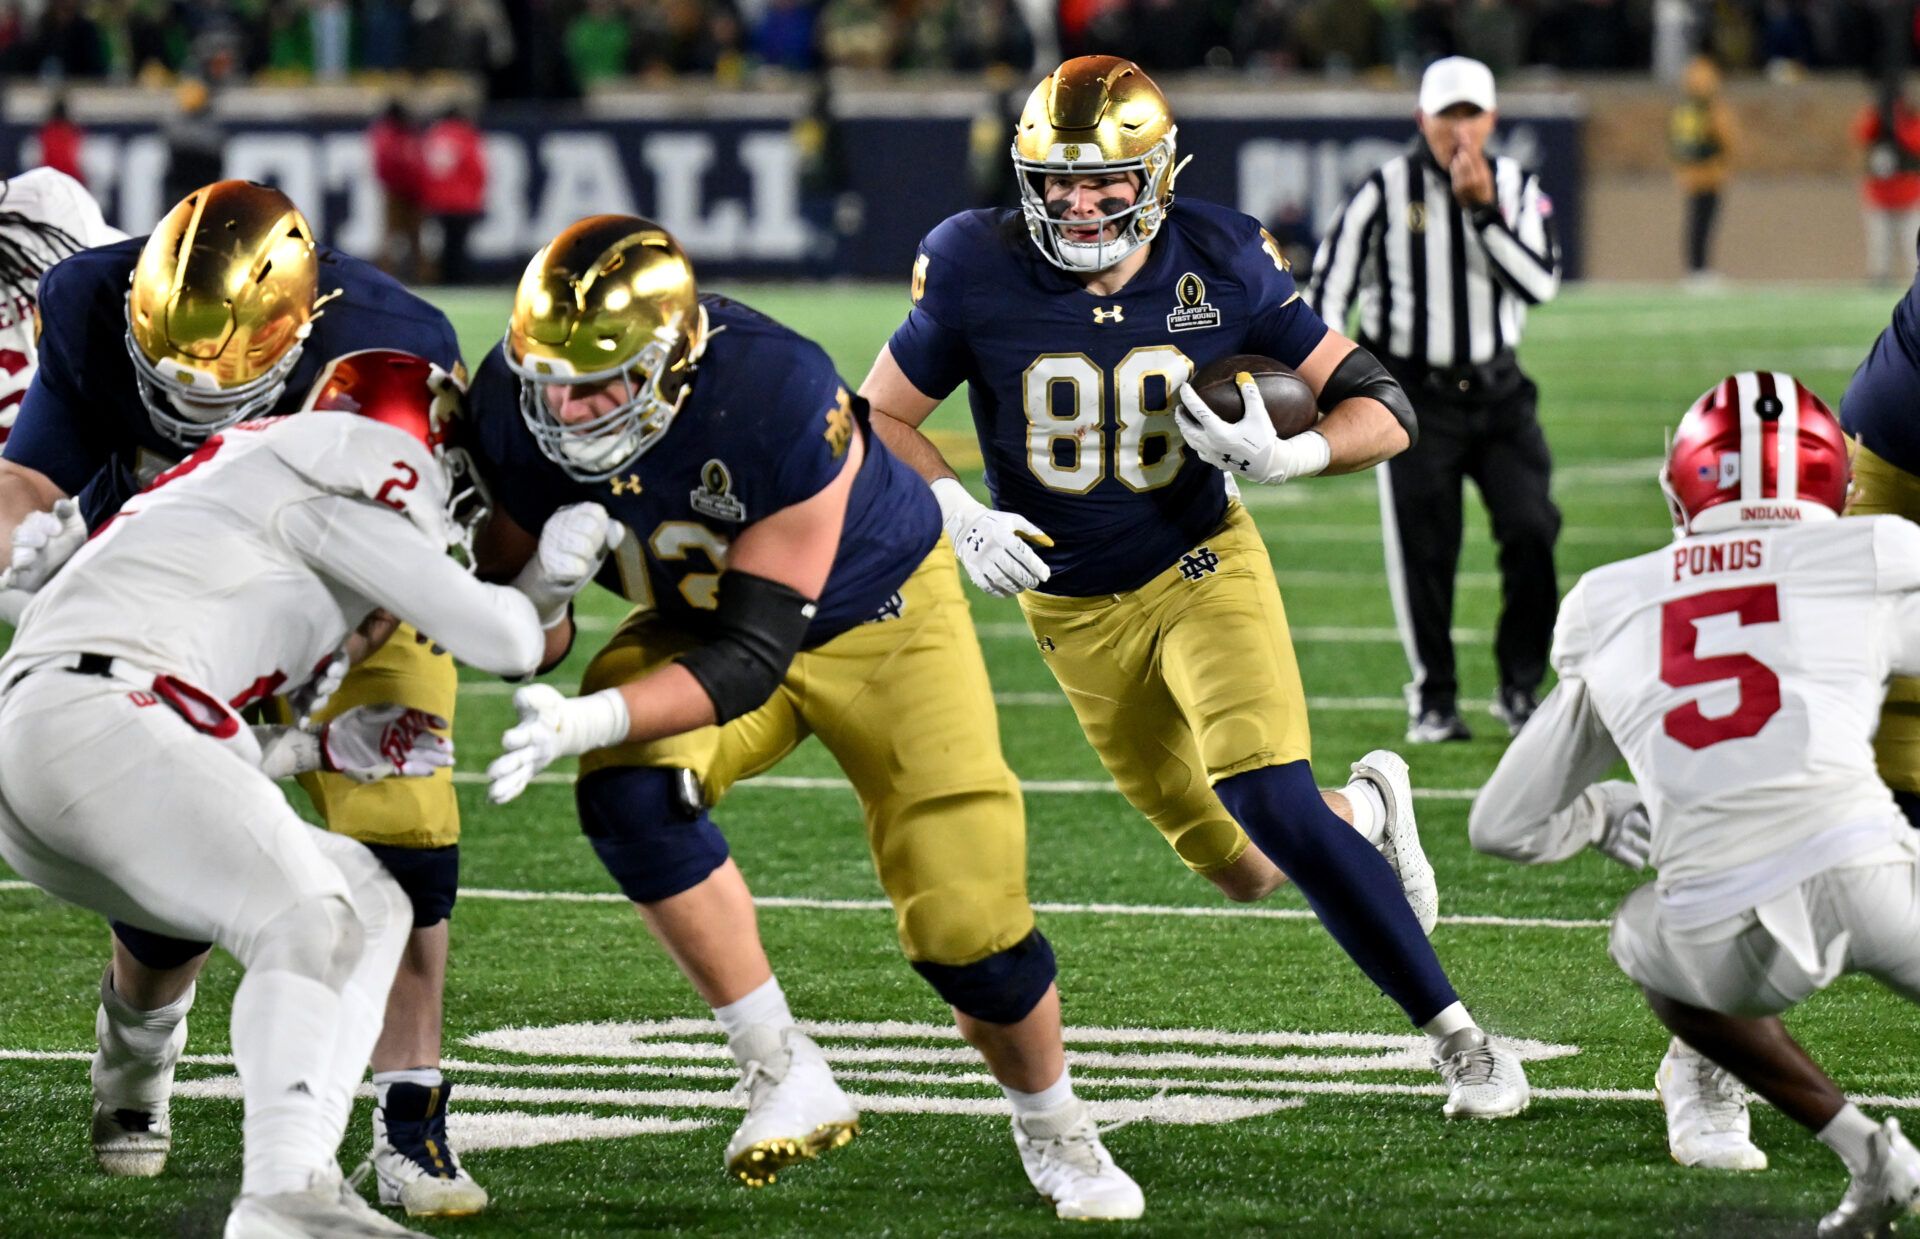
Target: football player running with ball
<point>1740,673</point>
<point>230,311</point>
<point>241,570</point>
<point>1076,322</point>
<point>787,580</point>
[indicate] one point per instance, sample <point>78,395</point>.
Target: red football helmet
<point>397,389</point>
<point>418,398</point>
<point>1725,467</point>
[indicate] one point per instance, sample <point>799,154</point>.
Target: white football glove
<point>992,546</point>
<point>41,543</point>
<point>370,743</point>
<point>1623,831</point>
<point>553,726</point>
<point>574,542</point>
<point>1248,448</point>
<point>310,698</point>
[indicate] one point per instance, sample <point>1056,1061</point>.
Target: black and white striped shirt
<point>1437,285</point>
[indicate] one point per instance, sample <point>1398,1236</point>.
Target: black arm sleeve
<point>1361,374</point>
<point>761,624</point>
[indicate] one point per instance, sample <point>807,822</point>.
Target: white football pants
<point>1859,918</point>
<point>110,800</point>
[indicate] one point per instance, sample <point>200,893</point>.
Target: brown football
<point>1289,401</point>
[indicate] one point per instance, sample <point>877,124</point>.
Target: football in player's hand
<point>1290,403</point>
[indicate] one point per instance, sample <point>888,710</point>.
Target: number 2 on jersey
<point>1068,452</point>
<point>1681,667</point>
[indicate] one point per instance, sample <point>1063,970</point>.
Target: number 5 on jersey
<point>1682,667</point>
<point>1065,399</point>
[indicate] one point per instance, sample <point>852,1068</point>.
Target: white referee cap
<point>1456,79</point>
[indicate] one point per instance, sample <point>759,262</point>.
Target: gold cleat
<point>760,1164</point>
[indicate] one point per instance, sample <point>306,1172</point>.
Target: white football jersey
<point>1741,677</point>
<point>47,197</point>
<point>247,564</point>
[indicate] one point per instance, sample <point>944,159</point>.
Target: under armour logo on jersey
<point>1198,563</point>
<point>1105,314</point>
<point>628,485</point>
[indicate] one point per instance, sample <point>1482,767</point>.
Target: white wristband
<point>287,751</point>
<point>957,506</point>
<point>1314,453</point>
<point>595,722</point>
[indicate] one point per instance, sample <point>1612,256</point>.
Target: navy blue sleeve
<point>1281,324</point>
<point>819,408</point>
<point>930,347</point>
<point>56,432</point>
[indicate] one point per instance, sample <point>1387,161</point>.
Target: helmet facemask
<point>650,389</point>
<point>187,405</point>
<point>1134,225</point>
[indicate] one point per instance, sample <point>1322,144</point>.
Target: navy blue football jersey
<point>82,423</point>
<point>766,426</point>
<point>1882,404</point>
<point>1073,392</point>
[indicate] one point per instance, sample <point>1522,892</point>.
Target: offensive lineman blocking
<point>787,580</point>
<point>245,569</point>
<point>1151,595</point>
<point>230,311</point>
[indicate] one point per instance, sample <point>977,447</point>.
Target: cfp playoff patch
<point>1199,562</point>
<point>714,496</point>
<point>1193,312</point>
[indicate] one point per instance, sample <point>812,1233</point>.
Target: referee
<point>1443,249</point>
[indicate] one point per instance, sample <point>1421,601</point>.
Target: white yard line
<point>1150,910</point>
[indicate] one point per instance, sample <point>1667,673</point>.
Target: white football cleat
<point>131,1143</point>
<point>1067,1164</point>
<point>795,1110</point>
<point>1400,843</point>
<point>1887,1192</point>
<point>1484,1079</point>
<point>417,1168</point>
<point>1707,1120</point>
<point>329,1209</point>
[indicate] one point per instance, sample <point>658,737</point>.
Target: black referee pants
<point>1489,432</point>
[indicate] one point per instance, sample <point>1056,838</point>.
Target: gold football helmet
<point>609,300</point>
<point>223,296</point>
<point>1095,115</point>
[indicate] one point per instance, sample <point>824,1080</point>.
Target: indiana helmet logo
<point>714,496</point>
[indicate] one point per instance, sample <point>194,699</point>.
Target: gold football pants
<point>1180,683</point>
<point>407,813</point>
<point>904,706</point>
<point>1880,488</point>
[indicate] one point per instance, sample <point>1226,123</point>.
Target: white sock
<point>138,1049</point>
<point>1447,1023</point>
<point>1369,810</point>
<point>764,1005</point>
<point>1052,1097</point>
<point>425,1077</point>
<point>285,1027</point>
<point>1849,1134</point>
<point>363,999</point>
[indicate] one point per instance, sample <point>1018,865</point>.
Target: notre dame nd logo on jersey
<point>714,496</point>
<point>1192,311</point>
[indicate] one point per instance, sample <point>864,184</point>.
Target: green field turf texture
<point>1615,367</point>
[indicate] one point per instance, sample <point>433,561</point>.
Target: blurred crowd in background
<point>561,48</point>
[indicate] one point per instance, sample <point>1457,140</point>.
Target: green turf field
<point>1275,1092</point>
